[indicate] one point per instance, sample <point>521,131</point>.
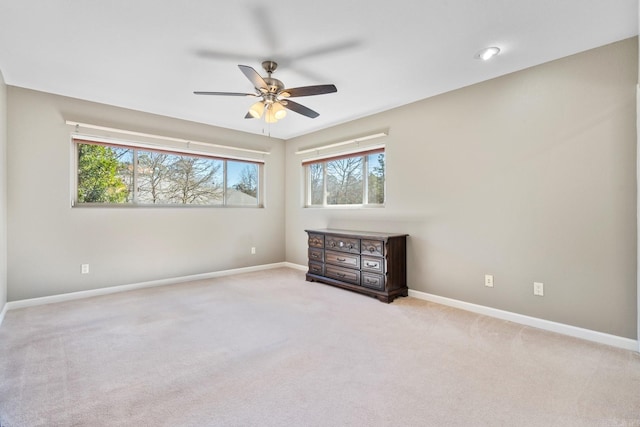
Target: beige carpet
<point>269,349</point>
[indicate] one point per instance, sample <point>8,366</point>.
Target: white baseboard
<point>296,266</point>
<point>561,328</point>
<point>3,312</point>
<point>123,288</point>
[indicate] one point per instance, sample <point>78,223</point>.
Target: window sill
<point>132,206</point>
<point>348,207</point>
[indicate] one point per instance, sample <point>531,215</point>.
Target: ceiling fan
<point>275,98</point>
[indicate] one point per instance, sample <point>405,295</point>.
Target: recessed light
<point>487,53</point>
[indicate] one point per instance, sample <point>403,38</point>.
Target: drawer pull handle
<point>333,244</point>
<point>372,264</point>
<point>370,281</point>
<point>341,259</point>
<point>372,249</point>
<point>341,274</point>
<point>315,255</point>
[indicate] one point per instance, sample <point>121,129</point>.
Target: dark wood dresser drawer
<point>316,268</point>
<point>316,240</point>
<point>344,244</point>
<point>373,264</point>
<point>316,254</point>
<point>373,247</point>
<point>374,281</point>
<point>344,274</point>
<point>340,258</point>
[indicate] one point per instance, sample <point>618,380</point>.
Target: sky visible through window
<point>234,170</point>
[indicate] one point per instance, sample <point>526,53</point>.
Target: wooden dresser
<point>370,263</point>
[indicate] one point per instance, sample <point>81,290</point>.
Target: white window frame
<point>365,180</point>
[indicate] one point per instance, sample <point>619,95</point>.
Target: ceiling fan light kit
<point>274,103</point>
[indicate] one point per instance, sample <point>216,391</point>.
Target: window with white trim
<point>113,174</point>
<point>356,179</point>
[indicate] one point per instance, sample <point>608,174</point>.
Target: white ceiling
<point>150,55</point>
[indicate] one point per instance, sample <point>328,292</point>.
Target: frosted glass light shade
<point>278,111</point>
<point>256,110</point>
<point>270,117</point>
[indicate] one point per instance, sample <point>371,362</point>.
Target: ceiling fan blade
<point>253,76</point>
<point>225,93</point>
<point>223,55</point>
<point>300,109</point>
<point>310,90</point>
<point>327,49</point>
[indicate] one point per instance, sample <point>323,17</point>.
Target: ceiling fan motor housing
<point>273,85</point>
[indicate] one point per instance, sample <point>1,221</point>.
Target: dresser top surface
<point>357,233</point>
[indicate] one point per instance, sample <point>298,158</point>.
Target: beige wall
<point>529,177</point>
<point>3,192</point>
<point>48,240</point>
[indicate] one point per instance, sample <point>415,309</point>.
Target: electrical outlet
<point>84,268</point>
<point>538,289</point>
<point>253,250</point>
<point>488,280</point>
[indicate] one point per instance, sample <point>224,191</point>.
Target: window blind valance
<point>343,156</point>
<point>85,139</point>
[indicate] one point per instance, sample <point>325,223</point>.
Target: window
<point>123,175</point>
<point>355,179</point>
